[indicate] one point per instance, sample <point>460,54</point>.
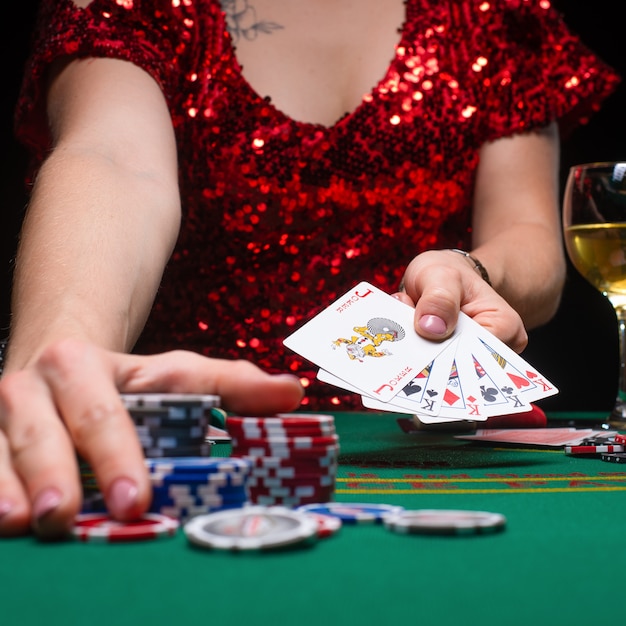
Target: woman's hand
<point>68,402</point>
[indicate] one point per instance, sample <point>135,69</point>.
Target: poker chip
<point>172,425</point>
<point>593,449</point>
<point>293,457</point>
<point>291,443</point>
<point>101,528</point>
<point>283,420</point>
<point>620,438</point>
<point>617,457</point>
<point>167,400</point>
<point>445,522</point>
<point>186,481</point>
<point>186,487</point>
<point>350,513</point>
<point>327,525</point>
<point>230,465</point>
<point>251,528</point>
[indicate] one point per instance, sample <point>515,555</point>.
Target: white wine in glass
<point>594,227</point>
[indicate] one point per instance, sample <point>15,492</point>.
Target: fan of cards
<point>365,342</point>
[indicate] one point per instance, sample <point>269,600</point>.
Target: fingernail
<point>5,507</point>
<point>122,496</point>
<point>45,502</point>
<point>433,324</point>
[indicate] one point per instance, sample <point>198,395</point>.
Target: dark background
<point>577,350</point>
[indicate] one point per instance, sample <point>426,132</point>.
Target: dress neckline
<point>231,49</point>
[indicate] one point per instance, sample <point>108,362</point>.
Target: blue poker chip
<point>351,513</point>
<point>198,465</point>
<point>162,498</point>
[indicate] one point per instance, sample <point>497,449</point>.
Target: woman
<point>209,176</point>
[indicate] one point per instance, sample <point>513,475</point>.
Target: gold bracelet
<point>478,266</point>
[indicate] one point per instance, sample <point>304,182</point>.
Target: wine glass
<point>594,227</point>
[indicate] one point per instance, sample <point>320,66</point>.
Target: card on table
<point>365,342</point>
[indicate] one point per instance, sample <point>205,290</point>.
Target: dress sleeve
<point>533,69</point>
<point>143,32</point>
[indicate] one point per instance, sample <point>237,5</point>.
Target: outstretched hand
<point>441,283</point>
<point>68,402</point>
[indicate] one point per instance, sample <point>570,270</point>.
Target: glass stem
<point>619,411</point>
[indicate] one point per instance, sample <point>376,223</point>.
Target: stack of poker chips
<point>294,457</point>
<point>171,425</point>
<point>186,487</point>
<point>173,428</point>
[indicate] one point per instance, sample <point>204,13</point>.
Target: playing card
<point>524,384</point>
<point>367,339</point>
<point>425,393</point>
<point>483,382</point>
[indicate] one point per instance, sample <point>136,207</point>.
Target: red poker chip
<point>286,452</point>
<point>290,473</point>
<point>102,528</point>
<point>301,464</point>
<point>262,433</point>
<point>300,491</point>
<point>620,438</point>
<point>295,443</point>
<point>593,449</point>
<point>323,480</point>
<point>283,419</point>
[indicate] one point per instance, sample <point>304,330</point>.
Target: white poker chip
<point>445,522</point>
<point>251,528</point>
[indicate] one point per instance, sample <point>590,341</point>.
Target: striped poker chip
<point>289,443</point>
<point>282,451</point>
<point>620,438</point>
<point>321,480</point>
<point>284,421</point>
<point>593,449</point>
<point>445,522</point>
<point>291,472</point>
<point>251,528</point>
<point>351,513</point>
<point>194,465</point>
<point>187,451</point>
<point>166,400</point>
<point>263,433</point>
<point>299,464</point>
<point>615,457</point>
<point>214,479</point>
<point>294,457</point>
<point>101,528</point>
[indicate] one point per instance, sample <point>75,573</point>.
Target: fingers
<point>242,387</point>
<point>66,403</point>
<point>39,471</point>
<point>14,507</point>
<point>441,285</point>
<point>69,402</point>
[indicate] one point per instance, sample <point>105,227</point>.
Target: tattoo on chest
<point>242,20</point>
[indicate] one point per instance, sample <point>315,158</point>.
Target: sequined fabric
<point>282,217</point>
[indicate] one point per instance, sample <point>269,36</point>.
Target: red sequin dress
<point>282,217</point>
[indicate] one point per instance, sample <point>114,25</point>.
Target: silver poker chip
<point>251,528</point>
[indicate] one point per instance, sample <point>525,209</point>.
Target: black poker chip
<point>615,457</point>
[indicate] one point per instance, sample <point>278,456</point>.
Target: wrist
<point>478,267</point>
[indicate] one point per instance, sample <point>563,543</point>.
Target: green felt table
<point>557,562</point>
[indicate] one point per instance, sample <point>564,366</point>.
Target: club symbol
<point>488,393</point>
